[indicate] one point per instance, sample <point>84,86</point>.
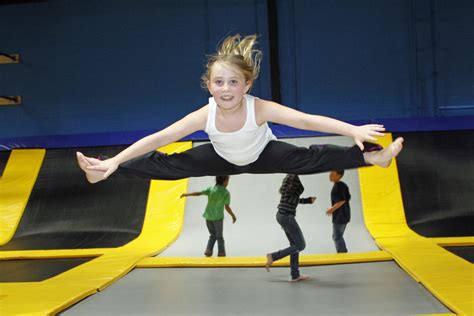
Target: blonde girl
<point>241,140</point>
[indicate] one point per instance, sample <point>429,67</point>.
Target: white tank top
<point>241,147</point>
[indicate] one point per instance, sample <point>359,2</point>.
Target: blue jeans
<point>337,232</point>
<point>296,239</point>
<point>216,233</point>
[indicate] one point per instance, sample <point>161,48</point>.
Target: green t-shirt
<point>217,197</point>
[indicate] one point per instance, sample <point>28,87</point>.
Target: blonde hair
<point>237,52</point>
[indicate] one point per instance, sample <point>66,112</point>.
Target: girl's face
<point>227,85</point>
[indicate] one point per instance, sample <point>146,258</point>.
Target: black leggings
<point>277,157</point>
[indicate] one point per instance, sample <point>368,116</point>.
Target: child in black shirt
<point>340,209</point>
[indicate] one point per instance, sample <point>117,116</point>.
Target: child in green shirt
<point>218,198</point>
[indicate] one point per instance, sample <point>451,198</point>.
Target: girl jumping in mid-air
<point>241,140</point>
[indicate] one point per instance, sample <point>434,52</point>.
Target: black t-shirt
<point>340,192</point>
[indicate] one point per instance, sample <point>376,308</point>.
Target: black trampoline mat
<point>4,155</point>
<point>64,211</point>
<point>465,252</point>
<point>36,270</point>
<point>436,177</point>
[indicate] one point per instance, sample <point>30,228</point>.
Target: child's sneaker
<point>221,254</point>
<point>208,253</point>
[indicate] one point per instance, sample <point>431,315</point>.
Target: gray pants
<point>337,236</point>
<point>216,229</point>
<point>296,239</point>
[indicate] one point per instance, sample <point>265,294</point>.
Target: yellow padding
<point>448,277</point>
<point>382,200</point>
<point>51,254</point>
<point>163,220</point>
<point>453,241</point>
<point>16,183</point>
<point>450,314</point>
<point>305,260</point>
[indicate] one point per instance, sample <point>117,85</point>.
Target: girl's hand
<point>366,133</point>
<point>234,219</point>
<point>107,166</point>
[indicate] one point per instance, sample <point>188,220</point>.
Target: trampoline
<point>221,285</point>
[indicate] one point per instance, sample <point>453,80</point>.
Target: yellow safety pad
<point>435,314</point>
<point>447,276</point>
<point>382,200</point>
<point>51,254</point>
<point>16,184</point>
<point>162,224</point>
<point>453,241</point>
<point>444,274</point>
<point>305,260</point>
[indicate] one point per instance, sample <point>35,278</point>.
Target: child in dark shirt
<point>290,191</point>
<point>340,209</point>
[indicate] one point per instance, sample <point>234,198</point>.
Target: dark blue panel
<point>102,66</point>
<point>244,17</point>
<point>113,65</point>
<point>455,56</point>
<point>351,59</point>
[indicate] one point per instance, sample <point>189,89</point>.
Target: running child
<point>290,190</point>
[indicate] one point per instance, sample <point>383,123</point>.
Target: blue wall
<point>119,65</point>
<point>370,59</point>
<point>454,59</point>
<point>101,66</point>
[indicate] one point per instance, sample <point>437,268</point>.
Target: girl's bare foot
<point>300,278</point>
<point>269,262</point>
<point>383,158</point>
<point>92,176</point>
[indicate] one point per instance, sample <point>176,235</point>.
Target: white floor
<point>254,199</point>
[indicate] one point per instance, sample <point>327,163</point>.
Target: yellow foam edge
<point>453,241</point>
<point>305,260</point>
<point>162,224</point>
<point>16,184</point>
<point>446,276</point>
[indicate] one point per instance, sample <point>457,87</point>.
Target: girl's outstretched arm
<point>267,111</point>
<point>191,123</point>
